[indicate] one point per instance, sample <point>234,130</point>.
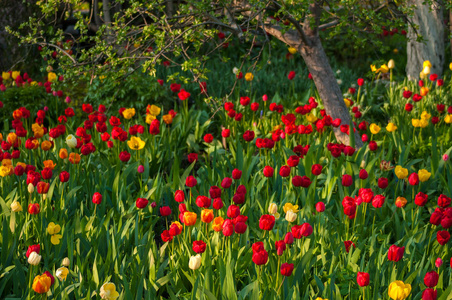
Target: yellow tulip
<point>401,172</point>
<point>415,122</point>
<point>383,69</point>
<point>424,175</point>
<point>154,110</point>
<point>448,119</point>
<point>348,103</point>
<point>292,50</point>
<point>136,143</point>
<point>150,118</point>
<point>374,128</point>
<point>61,273</point>
<point>426,70</point>
<point>6,75</point>
<point>16,207</point>
<point>422,75</point>
<point>427,64</point>
<point>128,113</point>
<point>51,77</point>
<point>15,74</point>
<point>425,115</point>
<point>398,290</point>
<point>311,118</point>
<point>53,228</point>
<point>450,66</point>
<point>391,127</point>
<point>249,76</point>
<point>4,171</point>
<point>290,206</point>
<point>423,123</point>
<point>373,68</point>
<point>108,291</point>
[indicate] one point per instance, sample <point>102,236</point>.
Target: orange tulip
<point>206,215</point>
<point>17,114</point>
<point>218,224</point>
<point>63,153</point>
<point>41,284</point>
<point>49,164</point>
<point>46,145</point>
<point>11,138</point>
<point>74,158</point>
<point>189,218</point>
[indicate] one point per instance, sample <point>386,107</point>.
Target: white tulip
<point>195,262</point>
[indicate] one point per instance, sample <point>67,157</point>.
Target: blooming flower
<point>398,290</point>
<point>62,273</point>
<point>136,143</point>
<point>108,291</point>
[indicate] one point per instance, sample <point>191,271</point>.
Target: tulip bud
<point>272,208</point>
<point>34,259</point>
<point>391,64</point>
<point>426,70</point>
<point>195,262</point>
<point>291,216</point>
<point>438,262</point>
<point>31,188</point>
<point>65,262</point>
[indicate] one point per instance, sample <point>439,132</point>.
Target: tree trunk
<point>325,81</point>
<point>431,29</point>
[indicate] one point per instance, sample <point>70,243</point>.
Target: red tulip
<point>429,294</point>
<point>165,211</point>
<point>233,211</point>
<point>413,179</point>
<point>64,176</point>
<point>208,138</point>
<point>443,201</point>
<point>395,253</point>
<point>283,172</point>
<point>316,169</point>
<point>166,236</point>
<point>286,269</point>
<point>268,171</point>
<point>179,196</point>
<point>33,248</point>
<point>266,222</point>
<point>280,247</point>
<point>199,246</point>
<point>378,201</point>
<point>442,237</point>
<point>97,198</point>
<point>382,183</point>
<point>141,203</point>
<point>347,180</point>
<point>363,279</point>
<point>191,181</point>
<point>33,208</point>
<point>288,238</point>
<point>260,257</point>
<point>320,206</point>
<point>226,183</point>
<point>124,156</point>
<point>217,203</point>
<point>363,174</point>
<point>291,75</point>
<point>236,174</point>
<point>431,279</point>
<point>348,245</point>
<point>420,199</point>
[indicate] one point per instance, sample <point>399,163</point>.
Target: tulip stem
<point>281,285</point>
<point>277,272</point>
